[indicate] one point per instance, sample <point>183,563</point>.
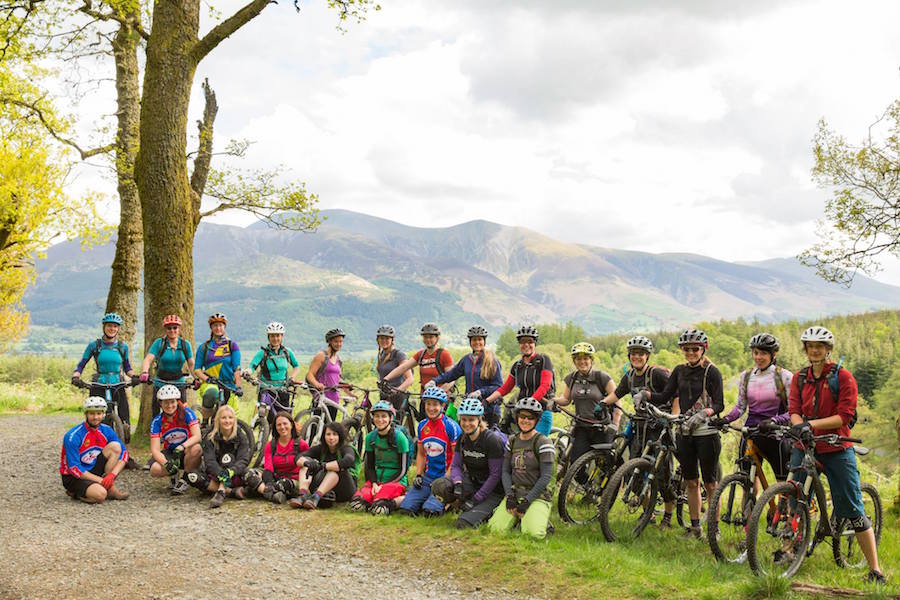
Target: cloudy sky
<point>657,126</point>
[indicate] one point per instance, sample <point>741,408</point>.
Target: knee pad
<point>463,524</point>
<point>383,507</point>
<point>210,397</point>
<point>442,488</point>
<point>430,514</point>
<point>405,512</point>
<point>198,480</point>
<point>286,486</point>
<point>252,479</point>
<point>860,524</point>
<point>327,500</point>
<point>358,504</point>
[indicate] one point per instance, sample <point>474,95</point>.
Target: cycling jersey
<point>175,429</point>
<point>427,368</point>
<point>653,378</point>
<point>219,358</point>
<point>329,375</point>
<point>112,360</point>
<point>170,360</point>
<point>816,391</point>
<point>469,366</point>
<point>481,459</point>
<point>531,381</point>
<point>437,437</point>
<point>387,363</point>
<point>83,444</point>
<point>762,399</point>
<point>386,461</point>
<point>525,467</point>
<point>220,454</point>
<point>587,391</point>
<point>687,384</point>
<point>277,363</point>
<point>282,463</point>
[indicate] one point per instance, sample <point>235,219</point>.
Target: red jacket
<point>802,402</point>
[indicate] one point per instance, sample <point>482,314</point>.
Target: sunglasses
<point>172,326</point>
<point>527,416</point>
<point>692,348</point>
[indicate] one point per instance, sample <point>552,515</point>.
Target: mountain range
<point>357,271</point>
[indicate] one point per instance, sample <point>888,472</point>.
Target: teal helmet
<point>384,406</point>
<point>470,407</point>
<point>112,318</point>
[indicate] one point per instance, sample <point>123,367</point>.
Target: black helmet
<point>430,329</point>
<point>385,330</point>
<point>333,333</point>
<point>527,331</point>
<point>477,331</point>
<point>693,336</point>
<point>639,342</point>
<point>764,341</point>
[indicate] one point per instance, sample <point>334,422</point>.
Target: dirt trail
<point>155,546</point>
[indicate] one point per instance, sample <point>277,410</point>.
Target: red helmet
<point>171,320</point>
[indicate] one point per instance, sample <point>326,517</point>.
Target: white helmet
<point>817,333</point>
<point>168,392</point>
<point>94,404</point>
<point>275,327</point>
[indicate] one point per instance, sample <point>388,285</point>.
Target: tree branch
<point>204,152</point>
<point>88,9</point>
<point>37,112</point>
<point>217,34</point>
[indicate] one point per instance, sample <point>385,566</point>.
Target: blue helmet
<point>435,393</point>
<point>470,407</point>
<point>384,406</point>
<point>112,318</point>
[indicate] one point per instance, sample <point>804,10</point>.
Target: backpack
<point>437,360</point>
<point>320,374</point>
<point>204,349</point>
<point>834,386</point>
<point>95,352</point>
<point>648,377</point>
<point>181,346</point>
<point>538,363</point>
<point>779,386</point>
<point>392,442</point>
<point>264,364</point>
<point>357,461</point>
<point>534,450</point>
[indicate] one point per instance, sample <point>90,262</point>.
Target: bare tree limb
<point>217,34</point>
<point>204,152</point>
<point>36,110</point>
<point>88,8</point>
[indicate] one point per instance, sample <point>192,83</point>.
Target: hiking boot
<point>148,465</point>
<point>875,577</point>
<point>217,499</point>
<point>279,498</point>
<point>114,494</point>
<point>357,504</point>
<point>132,464</point>
<point>780,557</point>
<point>237,493</point>
<point>692,533</point>
<point>312,502</point>
<point>295,503</point>
<point>268,493</point>
<point>179,488</point>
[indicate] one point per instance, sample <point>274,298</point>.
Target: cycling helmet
<point>333,333</point>
<point>274,327</point>
<point>112,318</point>
<point>385,330</point>
<point>171,320</point>
<point>529,404</point>
<point>168,392</point>
<point>217,317</point>
<point>582,348</point>
<point>639,342</point>
<point>527,331</point>
<point>470,407</point>
<point>384,406</point>
<point>693,336</point>
<point>477,331</point>
<point>94,404</point>
<point>430,329</point>
<point>764,341</point>
<point>817,333</point>
<point>435,393</point>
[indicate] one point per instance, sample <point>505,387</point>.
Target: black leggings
<point>343,491</point>
<point>582,440</point>
<point>702,449</point>
<point>777,452</point>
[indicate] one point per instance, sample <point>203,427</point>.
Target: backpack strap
<point>264,365</point>
<point>184,349</point>
<point>779,385</point>
<point>437,361</point>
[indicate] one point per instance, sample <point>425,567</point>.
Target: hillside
<point>359,271</point>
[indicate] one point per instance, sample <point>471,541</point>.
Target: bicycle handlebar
<point>86,385</point>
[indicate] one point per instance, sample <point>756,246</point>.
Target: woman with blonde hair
<point>481,370</point>
<point>226,454</point>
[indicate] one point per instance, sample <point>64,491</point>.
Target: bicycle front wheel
<point>582,486</point>
<point>733,500</point>
<point>846,550</point>
<point>777,545</point>
<point>260,427</point>
<point>628,502</point>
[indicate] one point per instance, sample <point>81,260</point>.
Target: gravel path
<point>52,546</point>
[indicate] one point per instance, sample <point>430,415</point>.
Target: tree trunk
<point>161,172</point>
<point>897,429</point>
<point>125,285</point>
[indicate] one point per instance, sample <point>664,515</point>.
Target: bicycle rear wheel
<point>734,500</point>
<point>582,486</point>
<point>248,431</point>
<point>846,550</point>
<point>628,502</point>
<point>311,430</point>
<point>260,427</point>
<point>113,420</point>
<point>777,545</point>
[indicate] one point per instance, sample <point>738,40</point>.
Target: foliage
<point>862,218</point>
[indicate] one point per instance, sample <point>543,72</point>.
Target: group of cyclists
<point>462,455</point>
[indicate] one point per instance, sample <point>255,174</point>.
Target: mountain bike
<point>206,425</point>
<point>408,416</point>
<point>317,416</point>
<point>112,418</point>
<point>582,485</point>
<point>779,544</point>
<point>271,399</point>
<point>734,500</point>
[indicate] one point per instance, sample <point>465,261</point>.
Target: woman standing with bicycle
<point>533,375</point>
<point>815,409</point>
<point>226,455</point>
<point>331,468</point>
<point>110,356</point>
<point>171,352</point>
<point>217,357</point>
<point>474,480</point>
<point>388,359</point>
<point>481,371</point>
<point>273,362</point>
<point>325,369</point>
<point>282,477</point>
<point>431,360</point>
<point>695,390</point>
<point>587,388</point>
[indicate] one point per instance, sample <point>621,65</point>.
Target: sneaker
<point>780,557</point>
<point>132,464</point>
<point>692,532</point>
<point>358,504</point>
<point>172,481</point>
<point>312,502</point>
<point>875,577</point>
<point>217,499</point>
<point>295,503</point>
<point>665,523</point>
<point>279,498</point>
<point>268,494</point>
<point>148,465</point>
<point>237,493</point>
<point>180,487</point>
